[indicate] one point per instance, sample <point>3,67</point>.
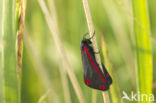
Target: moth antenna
<point>87,34</point>
<point>92,35</point>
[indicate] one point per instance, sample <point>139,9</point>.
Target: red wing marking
<point>102,87</point>
<point>107,75</point>
<point>95,67</point>
<point>86,81</point>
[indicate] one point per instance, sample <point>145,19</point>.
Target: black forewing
<point>108,77</point>
<point>90,75</point>
<point>105,73</point>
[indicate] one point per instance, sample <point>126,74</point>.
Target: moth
<point>93,76</point>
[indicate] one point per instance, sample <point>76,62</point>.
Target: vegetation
<point>143,47</point>
<point>40,59</point>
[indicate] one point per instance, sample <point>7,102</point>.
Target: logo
<point>137,96</point>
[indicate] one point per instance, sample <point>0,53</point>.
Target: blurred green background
<point>112,18</point>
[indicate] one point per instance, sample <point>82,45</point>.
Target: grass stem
<point>63,74</point>
<point>60,49</point>
<point>95,47</point>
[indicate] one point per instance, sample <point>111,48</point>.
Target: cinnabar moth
<point>93,76</point>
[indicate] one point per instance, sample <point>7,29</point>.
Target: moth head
<point>86,41</point>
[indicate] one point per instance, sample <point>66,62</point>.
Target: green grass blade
<point>143,44</point>
<point>117,22</point>
<point>1,54</point>
<point>114,90</point>
<point>9,88</point>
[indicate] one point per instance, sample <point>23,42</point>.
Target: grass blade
<point>67,96</point>
<point>66,89</point>
<point>114,90</point>
<point>143,47</point>
<point>9,91</point>
<point>119,29</point>
<point>20,18</point>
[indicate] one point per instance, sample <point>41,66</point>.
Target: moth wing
<point>91,77</point>
<point>108,77</point>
